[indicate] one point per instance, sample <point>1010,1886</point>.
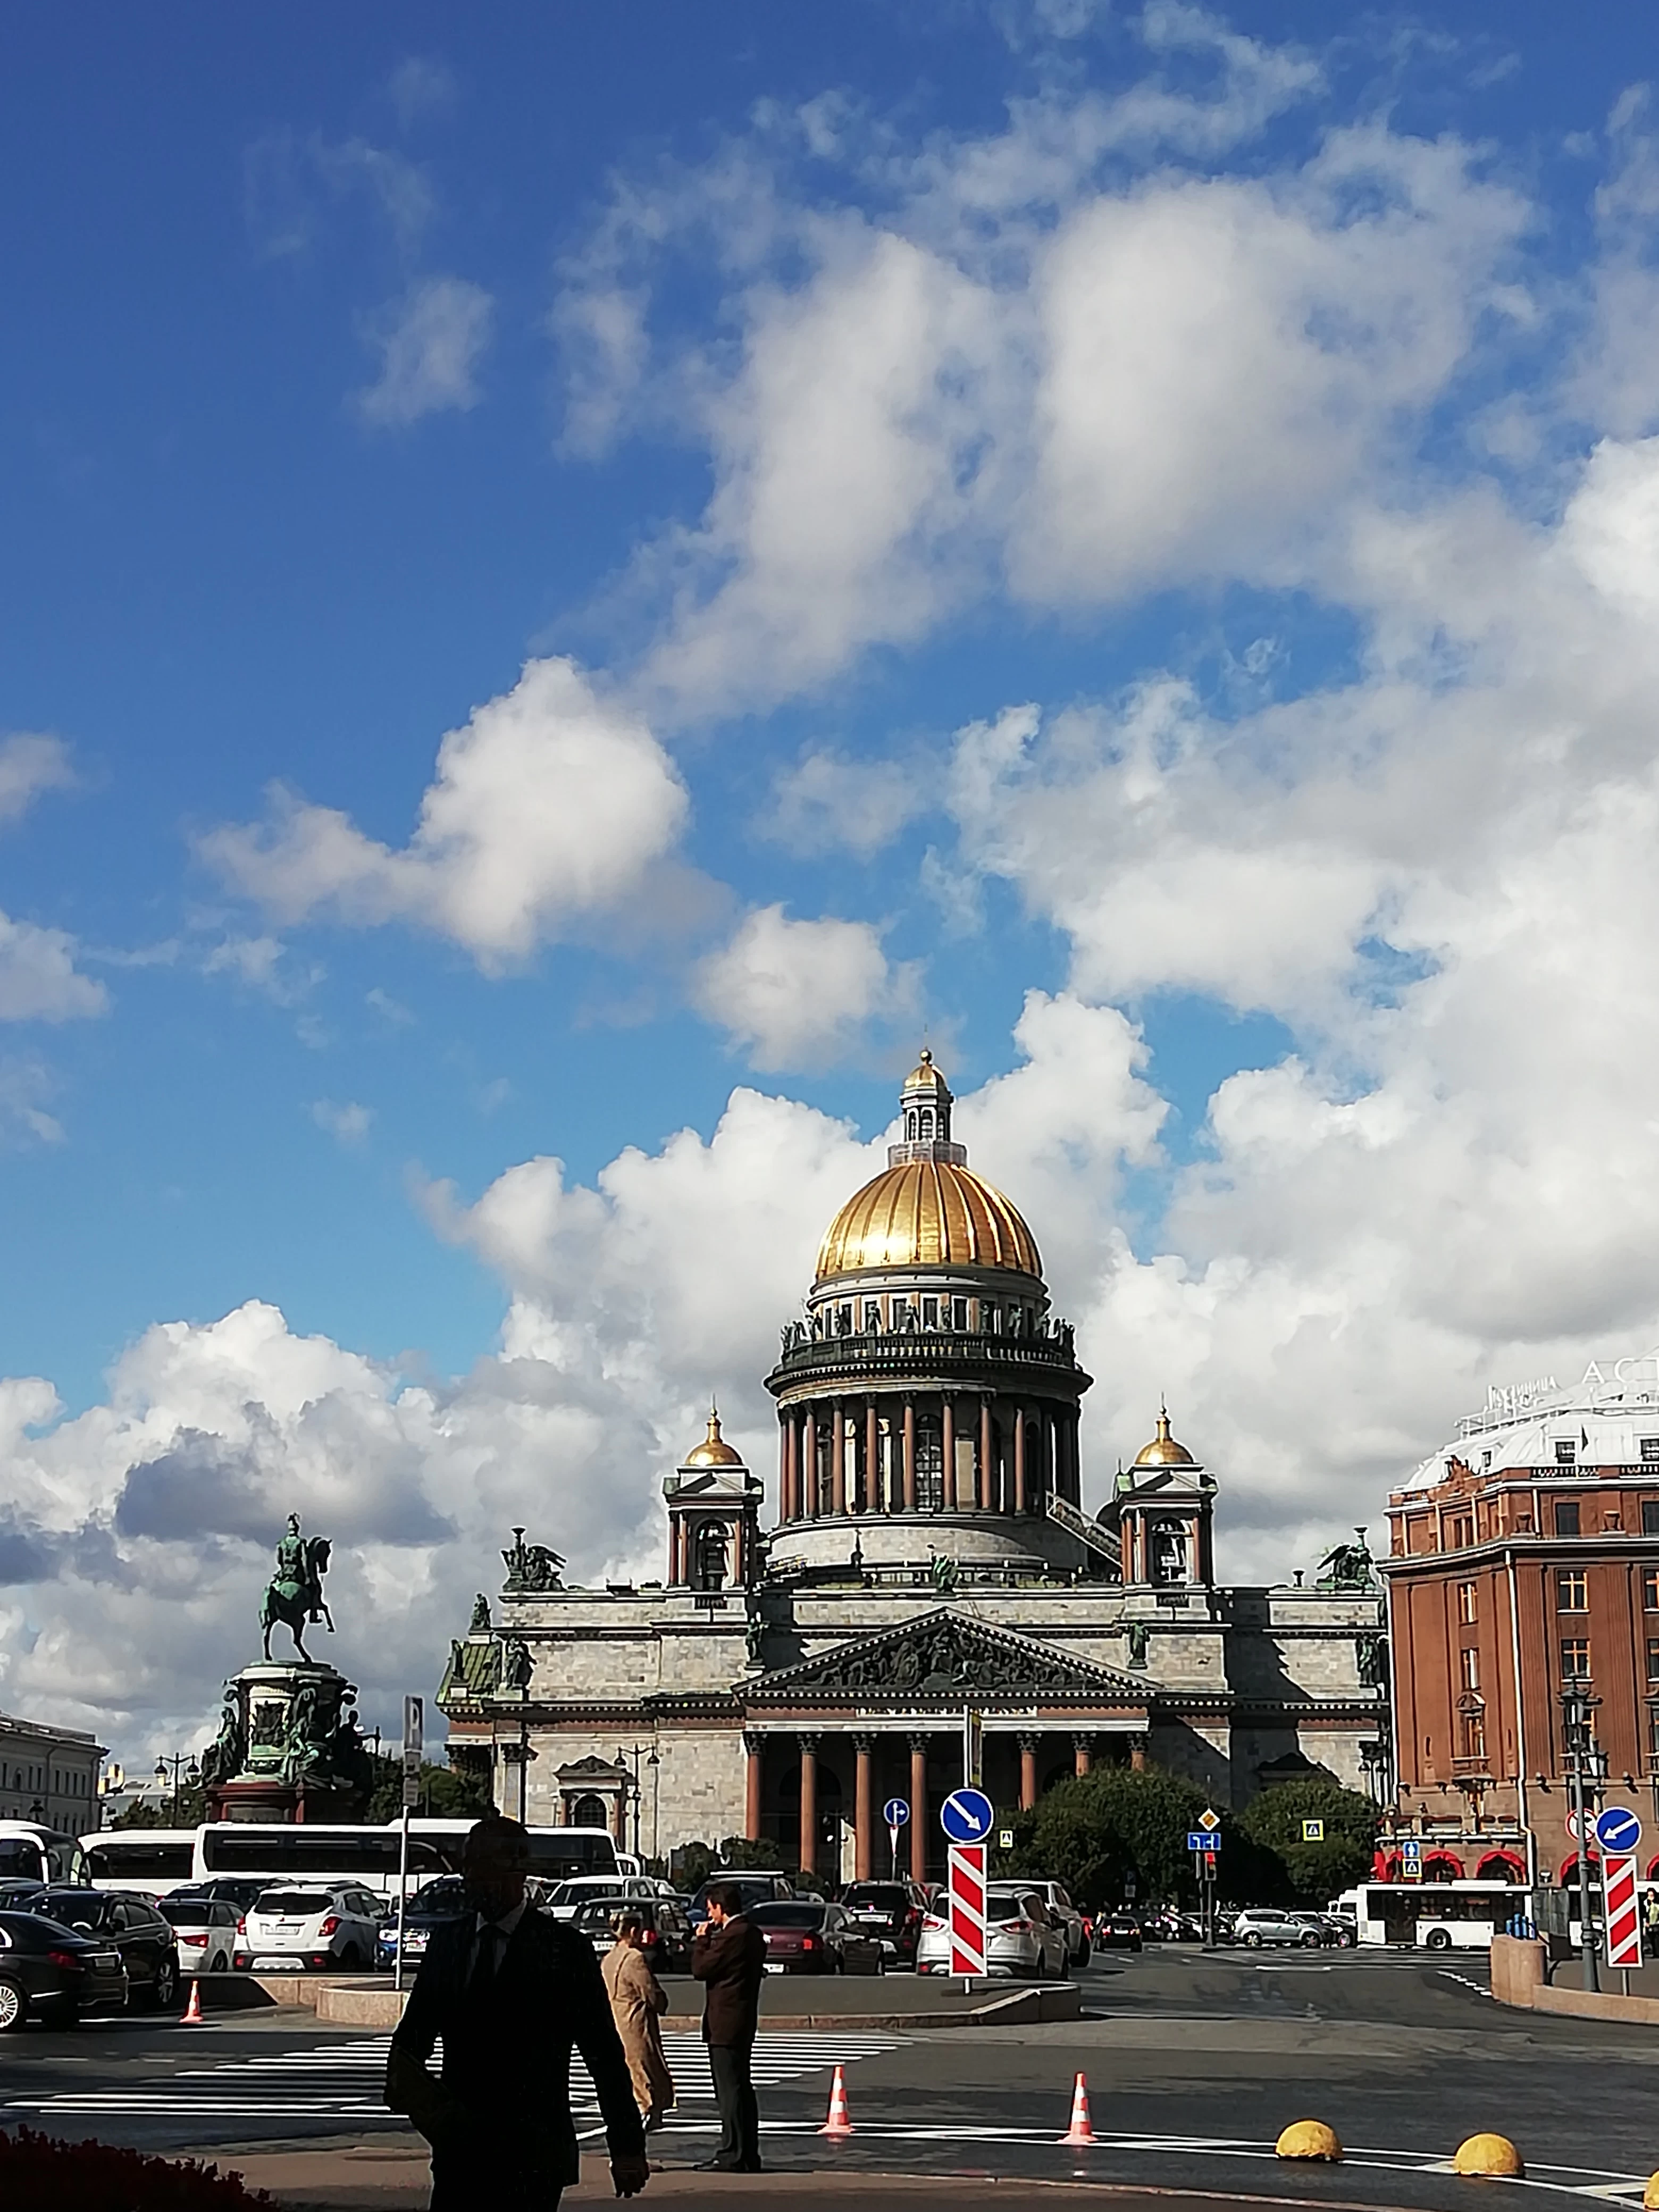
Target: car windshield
<point>786,1916</point>
<point>436,1900</point>
<point>888,1895</point>
<point>72,1905</point>
<point>1007,1901</point>
<point>36,1925</point>
<point>185,1911</point>
<point>601,1912</point>
<point>289,1902</point>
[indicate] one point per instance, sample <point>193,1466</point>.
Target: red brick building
<point>1523,1558</point>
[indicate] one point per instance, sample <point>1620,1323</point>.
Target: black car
<point>1118,1931</point>
<point>803,1935</point>
<point>52,1972</point>
<point>666,1940</point>
<point>225,1889</point>
<point>128,1924</point>
<point>752,1889</point>
<point>891,1912</point>
<point>446,1899</point>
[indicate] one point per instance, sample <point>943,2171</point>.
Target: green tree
<point>1092,1831</point>
<point>1314,1872</point>
<point>447,1793</point>
<point>191,1811</point>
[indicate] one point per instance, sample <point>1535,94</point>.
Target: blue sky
<point>803,397</point>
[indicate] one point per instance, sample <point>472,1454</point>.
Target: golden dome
<point>1163,1450</point>
<point>925,1076</point>
<point>928,1214</point>
<point>713,1450</point>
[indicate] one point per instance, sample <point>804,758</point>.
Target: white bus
<point>1437,1916</point>
<point>31,1851</point>
<point>312,1850</point>
<point>150,1861</point>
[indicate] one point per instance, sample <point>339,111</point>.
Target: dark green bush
<point>38,2171</point>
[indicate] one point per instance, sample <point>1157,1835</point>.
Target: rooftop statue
<point>1348,1566</point>
<point>294,1593</point>
<point>531,1567</point>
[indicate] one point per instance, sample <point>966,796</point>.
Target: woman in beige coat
<point>637,2001</point>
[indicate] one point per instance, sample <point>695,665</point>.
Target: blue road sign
<point>966,1816</point>
<point>896,1812</point>
<point>1411,1849</point>
<point>1202,1839</point>
<point>1618,1831</point>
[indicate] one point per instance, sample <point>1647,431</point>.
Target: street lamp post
<point>636,1754</point>
<point>176,1760</point>
<point>1578,1739</point>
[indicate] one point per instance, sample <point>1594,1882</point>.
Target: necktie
<point>484,1963</point>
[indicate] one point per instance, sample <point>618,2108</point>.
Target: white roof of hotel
<point>1604,1415</point>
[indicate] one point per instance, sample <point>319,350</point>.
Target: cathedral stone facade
<point>929,1557</point>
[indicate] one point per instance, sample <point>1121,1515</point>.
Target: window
<point>1653,1663</point>
<point>1650,1590</point>
<point>1566,1452</point>
<point>1570,1592</point>
<point>1469,1660</point>
<point>1574,1659</point>
<point>1468,1601</point>
<point>1462,1530</point>
<point>1651,1517</point>
<point>1651,1450</point>
<point>959,1314</point>
<point>930,1313</point>
<point>1474,1735</point>
<point>1566,1517</point>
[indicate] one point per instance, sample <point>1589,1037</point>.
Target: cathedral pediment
<point>947,1656</point>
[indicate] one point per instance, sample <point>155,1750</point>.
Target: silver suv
<point>1265,1923</point>
<point>1061,1908</point>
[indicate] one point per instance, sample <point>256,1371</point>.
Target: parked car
<point>804,1935</point>
<point>291,1928</point>
<point>17,1894</point>
<point>892,1911</point>
<point>666,1939</point>
<point>753,1888</point>
<point>1022,1937</point>
<point>52,1972</point>
<point>1061,1908</point>
<point>1330,1930</point>
<point>229,1889</point>
<point>204,1929</point>
<point>120,1921</point>
<point>430,1907</point>
<point>1260,1924</point>
<point>1118,1931</point>
<point>563,1898</point>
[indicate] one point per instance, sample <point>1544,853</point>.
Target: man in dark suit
<point>510,1991</point>
<point>728,1957</point>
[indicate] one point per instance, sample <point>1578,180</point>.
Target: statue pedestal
<point>290,1749</point>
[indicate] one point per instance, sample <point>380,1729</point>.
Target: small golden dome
<point>928,1214</point>
<point>1163,1450</point>
<point>924,1075</point>
<point>713,1450</point>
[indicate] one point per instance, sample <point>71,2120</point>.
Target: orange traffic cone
<point>193,2010</point>
<point>1080,2131</point>
<point>839,2121</point>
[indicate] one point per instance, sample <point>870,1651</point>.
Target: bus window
<point>32,1852</point>
<point>562,1854</point>
<point>147,1859</point>
<point>358,1855</point>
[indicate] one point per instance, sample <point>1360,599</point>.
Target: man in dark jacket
<point>728,1957</point>
<point>510,1991</point>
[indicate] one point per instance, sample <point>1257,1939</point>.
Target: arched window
<point>911,1126</point>
<point>927,1124</point>
<point>589,1812</point>
<point>709,1556</point>
<point>930,1463</point>
<point>1170,1551</point>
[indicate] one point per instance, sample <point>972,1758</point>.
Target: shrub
<point>94,2177</point>
<point>1314,1872</point>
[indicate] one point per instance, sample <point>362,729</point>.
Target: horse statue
<point>294,1594</point>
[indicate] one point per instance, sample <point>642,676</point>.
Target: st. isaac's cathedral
<point>930,1556</point>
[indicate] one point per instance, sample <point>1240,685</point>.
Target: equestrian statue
<point>294,1594</point>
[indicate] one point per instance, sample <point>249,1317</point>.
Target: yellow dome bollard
<point>1309,2139</point>
<point>1651,2194</point>
<point>1489,2154</point>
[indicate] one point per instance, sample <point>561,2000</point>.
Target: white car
<point>204,1929</point>
<point>1021,1937</point>
<point>1061,1908</point>
<point>1261,1924</point>
<point>297,1926</point>
<point>562,1898</point>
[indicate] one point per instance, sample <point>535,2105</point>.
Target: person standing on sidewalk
<point>510,1991</point>
<point>637,2002</point>
<point>728,1957</point>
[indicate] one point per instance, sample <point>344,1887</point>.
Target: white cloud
<point>551,806</point>
<point>418,87</point>
<point>39,979</point>
<point>796,995</point>
<point>827,801</point>
<point>431,343</point>
<point>346,1121</point>
<point>31,762</point>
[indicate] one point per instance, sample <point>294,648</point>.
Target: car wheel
<point>1310,1941</point>
<point>14,2006</point>
<point>1438,1940</point>
<point>1253,1940</point>
<point>164,1990</point>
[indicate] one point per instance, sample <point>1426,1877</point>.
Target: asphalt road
<point>1194,2064</point>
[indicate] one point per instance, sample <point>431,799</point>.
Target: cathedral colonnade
<point>818,1790</point>
<point>921,1451</point>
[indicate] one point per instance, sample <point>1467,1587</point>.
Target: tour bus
<point>31,1851</point>
<point>150,1861</point>
<point>1436,1916</point>
<point>368,1857</point>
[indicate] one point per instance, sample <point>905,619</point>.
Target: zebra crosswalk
<point>342,2081</point>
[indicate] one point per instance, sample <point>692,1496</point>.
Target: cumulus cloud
<point>431,344</point>
<point>348,1121</point>
<point>39,979</point>
<point>827,801</point>
<point>31,762</point>
<point>551,806</point>
<point>797,994</point>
